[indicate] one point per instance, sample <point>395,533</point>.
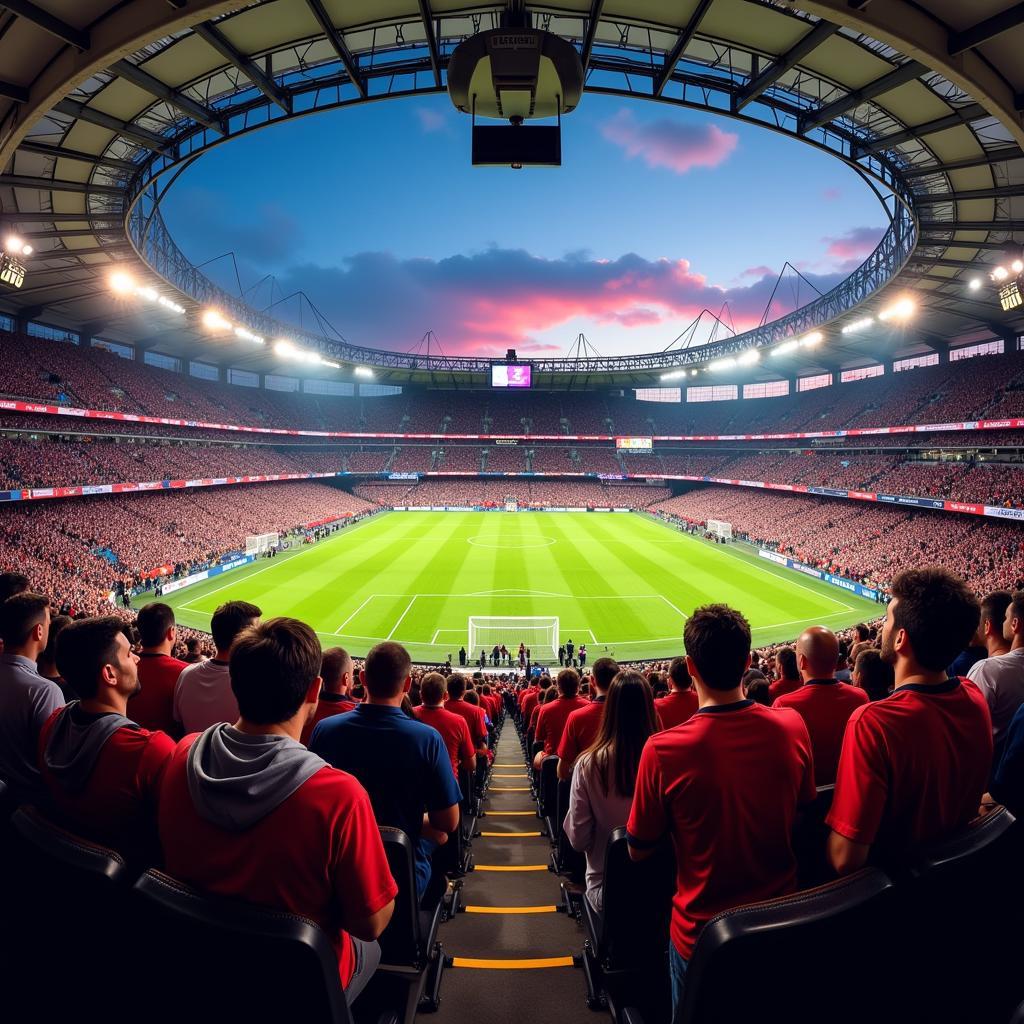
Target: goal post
<point>260,543</point>
<point>538,632</point>
<point>720,528</point>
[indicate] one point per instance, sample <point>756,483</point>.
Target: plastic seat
<point>548,791</point>
<point>199,947</point>
<point>810,840</point>
<point>799,958</point>
<point>566,860</point>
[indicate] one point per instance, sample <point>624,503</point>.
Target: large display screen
<point>511,375</point>
<point>634,444</point>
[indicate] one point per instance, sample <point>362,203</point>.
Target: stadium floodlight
<point>214,321</point>
<point>1017,266</point>
<point>170,304</point>
<point>786,347</point>
<point>148,293</point>
<point>1000,274</point>
<point>284,347</point>
<point>14,245</point>
<point>331,364</point>
<point>693,373</point>
<point>859,325</point>
<point>749,357</point>
<point>903,309</point>
<point>246,335</point>
<point>122,283</point>
<point>974,284</point>
<point>363,371</point>
<point>812,339</point>
<point>722,364</point>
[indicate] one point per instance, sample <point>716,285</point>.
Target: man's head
<point>25,623</point>
<point>12,583</point>
<point>155,623</point>
<point>717,640</point>
<point>787,661</point>
<point>930,620</point>
<point>192,645</point>
<point>95,658</point>
<point>274,669</point>
<point>568,682</point>
<point>603,671</point>
<point>432,688</point>
<point>861,632</point>
<point>679,674</point>
<point>336,670</point>
<point>387,673</point>
<point>456,685</point>
<point>48,658</point>
<point>873,675</point>
<point>993,617</point>
<point>228,621</point>
<point>1013,622</point>
<point>817,653</point>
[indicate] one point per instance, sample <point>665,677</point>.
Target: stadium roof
<point>103,103</point>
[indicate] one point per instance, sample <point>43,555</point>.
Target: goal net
<point>260,543</point>
<point>538,632</point>
<point>720,528</point>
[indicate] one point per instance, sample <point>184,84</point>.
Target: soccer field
<point>622,584</point>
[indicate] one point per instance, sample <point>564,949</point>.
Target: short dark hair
<point>993,608</point>
<point>153,621</point>
<point>604,670</point>
<point>229,620</point>
<point>787,663</point>
<point>757,691</point>
<point>432,687</point>
<point>19,615</point>
<point>862,631</point>
<point>192,643</point>
<point>332,666</point>
<point>84,647</point>
<point>456,685</point>
<point>874,676</point>
<point>938,613</point>
<point>680,674</point>
<point>12,583</point>
<point>717,638</point>
<point>1016,605</point>
<point>272,666</point>
<point>57,624</point>
<point>568,682</point>
<point>387,667</point>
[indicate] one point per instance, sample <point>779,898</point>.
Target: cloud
<point>849,250</point>
<point>486,302</point>
<point>667,143</point>
<point>832,195</point>
<point>431,120</point>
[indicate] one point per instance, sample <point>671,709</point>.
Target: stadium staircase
<point>511,944</point>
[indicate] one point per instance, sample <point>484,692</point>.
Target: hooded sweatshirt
<point>236,780</point>
<point>75,742</point>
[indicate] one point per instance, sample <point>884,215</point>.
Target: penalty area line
<point>402,616</point>
<point>355,613</point>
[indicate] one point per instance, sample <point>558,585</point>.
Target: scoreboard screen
<point>634,444</point>
<point>511,375</point>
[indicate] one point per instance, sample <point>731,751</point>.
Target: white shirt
<point>203,697</point>
<point>592,817</point>
<point>26,701</point>
<point>1001,680</point>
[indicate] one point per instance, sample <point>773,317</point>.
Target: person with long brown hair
<point>604,776</point>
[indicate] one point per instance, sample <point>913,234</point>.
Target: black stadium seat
<point>566,860</point>
<point>548,791</point>
<point>817,955</point>
<point>810,840</point>
<point>196,945</point>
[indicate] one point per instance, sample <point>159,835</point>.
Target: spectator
<point>873,675</point>
<point>1008,779</point>
<point>823,701</point>
<point>680,704</point>
<point>757,691</point>
<point>335,684</point>
<point>152,706</point>
<point>193,651</point>
<point>552,717</point>
<point>473,715</point>
<point>26,699</point>
<point>453,728</point>
<point>789,674</point>
<point>584,724</point>
<point>247,812</point>
<point>402,763</point>
<point>204,695</point>
<point>843,672</point>
<point>11,583</point>
<point>1001,678</point>
<point>46,664</point>
<point>604,777</point>
<point>102,770</point>
<point>725,785</point>
<point>993,622</point>
<point>914,766</point>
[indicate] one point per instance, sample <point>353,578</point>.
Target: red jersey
<point>551,720</point>
<point>913,766</point>
<point>153,706</point>
<point>119,797</point>
<point>581,729</point>
<point>677,707</point>
<point>783,686</point>
<point>825,705</point>
<point>529,703</point>
<point>318,853</point>
<point>328,704</point>
<point>725,785</point>
<point>454,731</point>
<point>474,718</point>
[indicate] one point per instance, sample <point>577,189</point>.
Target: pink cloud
<point>851,249</point>
<point>430,120</point>
<point>760,271</point>
<point>667,143</point>
<point>832,195</point>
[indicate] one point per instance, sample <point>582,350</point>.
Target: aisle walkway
<point>512,946</point>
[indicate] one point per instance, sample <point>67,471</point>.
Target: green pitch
<point>622,584</point>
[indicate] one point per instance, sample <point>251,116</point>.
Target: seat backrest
<point>549,786</point>
<point>402,942</point>
<point>810,839</point>
<point>637,905</point>
<point>230,960</point>
<point>797,958</point>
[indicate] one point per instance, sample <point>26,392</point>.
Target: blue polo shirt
<point>402,764</point>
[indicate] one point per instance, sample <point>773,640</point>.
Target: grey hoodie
<point>75,744</point>
<point>236,780</point>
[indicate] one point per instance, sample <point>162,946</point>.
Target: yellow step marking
<point>521,775</point>
<point>513,965</point>
<point>509,789</point>
<point>498,835</point>
<point>511,910</point>
<point>496,765</point>
<point>507,814</point>
<point>511,867</point>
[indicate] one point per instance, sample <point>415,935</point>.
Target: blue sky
<point>377,214</point>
